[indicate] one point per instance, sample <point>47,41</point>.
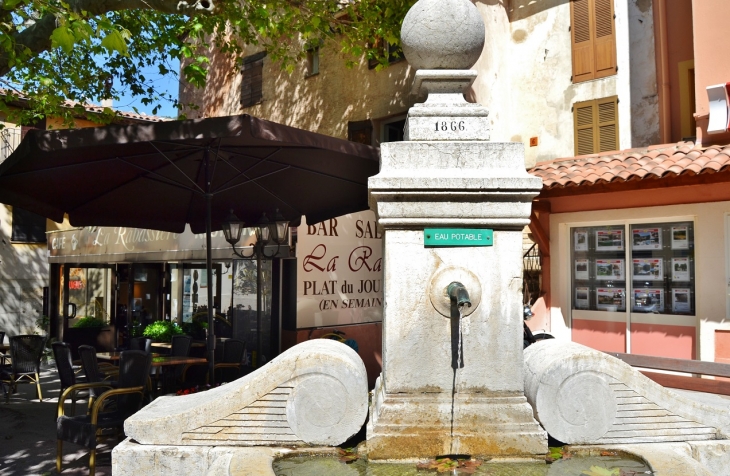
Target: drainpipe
<point>662,62</point>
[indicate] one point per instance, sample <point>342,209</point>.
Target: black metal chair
<point>2,354</point>
<point>92,372</point>
<point>67,372</point>
<point>25,366</point>
<point>180,347</point>
<point>134,368</point>
<point>141,343</point>
<point>232,358</point>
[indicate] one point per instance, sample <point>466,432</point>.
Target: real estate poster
<point>680,238</point>
<point>610,299</point>
<point>582,300</point>
<point>681,300</point>
<point>646,238</point>
<point>609,240</point>
<point>680,269</point>
<point>581,269</point>
<point>581,241</point>
<point>648,269</point>
<point>648,300</point>
<point>610,269</point>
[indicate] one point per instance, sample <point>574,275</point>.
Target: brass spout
<point>458,294</point>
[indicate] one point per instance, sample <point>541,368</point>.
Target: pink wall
<point>712,63</point>
<point>722,346</point>
<point>600,335</point>
<point>679,48</point>
<point>677,342</point>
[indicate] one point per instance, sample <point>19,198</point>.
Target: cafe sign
<point>339,271</point>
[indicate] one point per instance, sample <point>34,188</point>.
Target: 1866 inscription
<point>443,126</point>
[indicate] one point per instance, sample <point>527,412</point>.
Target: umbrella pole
<point>209,270</point>
<point>259,334</point>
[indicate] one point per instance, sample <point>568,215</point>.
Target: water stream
<point>457,366</point>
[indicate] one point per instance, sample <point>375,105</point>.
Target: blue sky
<point>168,83</point>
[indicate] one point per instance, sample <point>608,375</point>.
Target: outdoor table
<point>158,361</point>
<point>113,356</point>
<point>165,345</point>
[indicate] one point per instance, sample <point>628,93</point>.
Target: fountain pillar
<point>452,206</point>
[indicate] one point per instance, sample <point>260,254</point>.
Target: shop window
<point>593,36</point>
<point>648,268</point>
<point>252,79</point>
<point>360,131</point>
<point>28,227</point>
<point>595,126</point>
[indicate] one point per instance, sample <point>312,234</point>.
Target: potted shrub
<point>162,331</point>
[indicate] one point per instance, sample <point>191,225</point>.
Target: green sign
<point>457,237</point>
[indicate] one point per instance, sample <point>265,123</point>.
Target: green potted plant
<point>162,331</point>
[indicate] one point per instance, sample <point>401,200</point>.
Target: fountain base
<point>414,426</point>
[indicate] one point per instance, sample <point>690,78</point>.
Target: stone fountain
<point>452,206</point>
<point>452,381</point>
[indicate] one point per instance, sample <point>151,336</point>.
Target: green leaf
<point>600,471</point>
<point>114,42</point>
<point>62,37</point>
<point>10,4</point>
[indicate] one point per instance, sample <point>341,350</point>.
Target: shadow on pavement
<point>28,434</point>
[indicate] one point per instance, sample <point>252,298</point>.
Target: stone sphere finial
<point>442,34</point>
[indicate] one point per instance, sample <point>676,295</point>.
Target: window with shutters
<point>595,125</point>
<point>27,227</point>
<point>252,79</point>
<point>593,35</point>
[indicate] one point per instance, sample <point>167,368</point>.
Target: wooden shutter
<point>584,126</point>
<point>582,38</point>
<point>593,39</point>
<point>595,125</point>
<point>252,79</point>
<point>607,124</point>
<point>605,39</point>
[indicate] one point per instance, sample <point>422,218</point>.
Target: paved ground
<point>28,435</point>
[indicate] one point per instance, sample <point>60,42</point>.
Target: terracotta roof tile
<point>667,160</point>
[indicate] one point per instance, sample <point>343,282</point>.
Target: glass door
<point>86,298</point>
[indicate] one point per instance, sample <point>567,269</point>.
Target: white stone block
<point>584,396</point>
<point>315,393</point>
<point>451,127</point>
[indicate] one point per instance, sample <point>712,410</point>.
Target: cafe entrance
<point>122,287</point>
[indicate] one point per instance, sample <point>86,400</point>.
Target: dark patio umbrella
<point>165,175</point>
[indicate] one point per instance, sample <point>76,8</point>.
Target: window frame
<point>28,230</point>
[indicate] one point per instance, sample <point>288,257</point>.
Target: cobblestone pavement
<point>28,434</point>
